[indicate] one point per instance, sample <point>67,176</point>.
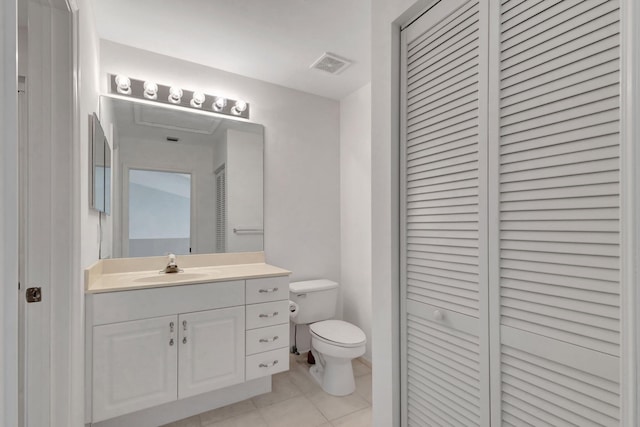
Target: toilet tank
<point>316,300</point>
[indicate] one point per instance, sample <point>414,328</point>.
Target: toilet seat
<point>338,333</point>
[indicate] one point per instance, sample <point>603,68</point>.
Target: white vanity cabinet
<point>149,347</point>
<point>145,363</point>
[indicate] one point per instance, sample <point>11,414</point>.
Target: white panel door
<point>443,232</point>
<point>211,350</point>
<point>134,366</point>
<point>555,250</point>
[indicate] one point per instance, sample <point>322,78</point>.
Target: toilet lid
<point>339,332</point>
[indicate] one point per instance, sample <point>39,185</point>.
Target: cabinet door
<point>134,366</point>
<point>444,281</point>
<point>211,350</point>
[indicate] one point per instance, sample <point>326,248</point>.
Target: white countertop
<point>100,279</point>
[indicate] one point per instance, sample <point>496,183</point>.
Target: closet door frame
<point>493,181</point>
<point>630,210</point>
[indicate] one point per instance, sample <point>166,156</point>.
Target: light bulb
<point>197,100</point>
<point>175,95</point>
<point>219,103</point>
<point>150,90</point>
<point>239,108</point>
<point>123,84</point>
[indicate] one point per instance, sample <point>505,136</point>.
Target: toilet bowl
<point>334,344</point>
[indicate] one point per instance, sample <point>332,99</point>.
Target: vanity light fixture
<point>219,103</point>
<point>123,84</point>
<point>239,108</point>
<point>175,95</point>
<point>197,100</point>
<point>150,91</point>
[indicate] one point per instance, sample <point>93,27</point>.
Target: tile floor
<point>296,400</point>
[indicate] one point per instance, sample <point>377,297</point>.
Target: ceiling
<point>270,40</point>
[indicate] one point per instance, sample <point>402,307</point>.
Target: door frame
<point>630,211</point>
<point>9,213</point>
<point>121,229</point>
<point>54,328</point>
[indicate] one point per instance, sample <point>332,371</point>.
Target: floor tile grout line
<point>301,367</point>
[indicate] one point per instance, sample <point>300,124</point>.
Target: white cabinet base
<point>184,408</point>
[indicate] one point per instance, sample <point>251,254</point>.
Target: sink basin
<point>172,277</point>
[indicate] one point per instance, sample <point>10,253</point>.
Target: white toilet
<point>334,343</point>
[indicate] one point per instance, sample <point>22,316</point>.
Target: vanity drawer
<point>267,314</point>
<point>267,289</point>
<point>265,339</point>
<point>268,363</point>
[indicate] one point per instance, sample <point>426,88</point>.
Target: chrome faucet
<point>172,265</point>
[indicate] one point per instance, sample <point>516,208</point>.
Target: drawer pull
<point>268,365</point>
<point>263,316</point>
<point>269,339</point>
<point>268,291</point>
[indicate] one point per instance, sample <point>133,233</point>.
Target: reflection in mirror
<point>159,213</point>
<point>183,181</point>
<point>100,167</point>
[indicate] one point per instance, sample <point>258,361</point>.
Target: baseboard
<point>365,362</point>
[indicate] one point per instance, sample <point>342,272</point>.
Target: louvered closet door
<point>443,266</point>
<point>557,251</point>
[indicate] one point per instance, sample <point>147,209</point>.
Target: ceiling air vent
<point>331,63</point>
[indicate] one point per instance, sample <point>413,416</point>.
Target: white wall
<point>89,89</point>
<point>355,210</point>
<point>302,174</point>
<point>387,15</point>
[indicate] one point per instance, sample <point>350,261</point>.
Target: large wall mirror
<point>183,182</point>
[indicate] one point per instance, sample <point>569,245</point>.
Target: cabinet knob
<point>269,339</point>
<point>268,365</point>
<point>274,314</point>
<point>184,340</point>
<point>438,315</point>
<point>184,325</point>
<point>268,291</point>
<point>171,342</point>
<point>171,325</point>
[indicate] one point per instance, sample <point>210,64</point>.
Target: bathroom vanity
<point>161,347</point>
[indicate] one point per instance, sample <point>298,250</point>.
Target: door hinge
<point>34,294</point>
